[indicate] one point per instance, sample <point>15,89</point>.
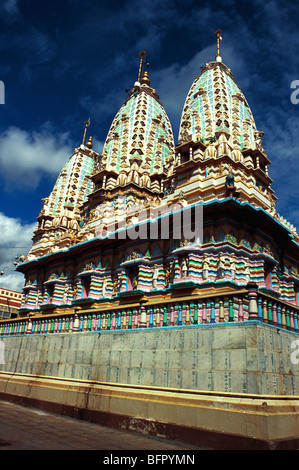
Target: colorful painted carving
<point>90,226</point>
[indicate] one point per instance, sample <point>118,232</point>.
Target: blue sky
<point>64,61</point>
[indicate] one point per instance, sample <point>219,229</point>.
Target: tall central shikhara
<point>88,252</point>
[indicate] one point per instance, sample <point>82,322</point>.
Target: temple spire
<point>218,57</point>
<point>86,126</point>
<point>141,55</point>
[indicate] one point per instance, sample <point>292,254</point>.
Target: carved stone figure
<point>184,268</point>
<point>205,267</point>
<point>230,180</point>
<point>104,285</point>
<point>155,276</point>
<point>221,266</point>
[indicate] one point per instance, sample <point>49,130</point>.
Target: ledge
<point>216,420</point>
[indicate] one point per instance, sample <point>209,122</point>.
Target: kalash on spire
<point>219,165</point>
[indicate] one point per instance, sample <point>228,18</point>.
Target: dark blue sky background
<point>65,61</point>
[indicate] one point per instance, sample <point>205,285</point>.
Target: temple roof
<point>215,104</point>
<point>140,132</point>
<point>72,185</point>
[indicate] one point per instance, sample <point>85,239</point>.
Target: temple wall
<point>248,358</point>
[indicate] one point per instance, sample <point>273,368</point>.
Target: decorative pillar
<point>292,327</point>
<point>52,324</point>
<point>67,324</point>
<point>288,326</point>
<point>29,326</point>
<point>119,317</point>
<point>283,317</point>
<point>99,323</point>
<point>76,323</point>
<point>212,316</point>
<point>151,318</point>
<point>165,315</point>
<point>230,310</point>
<point>252,296</point>
<point>295,320</point>
<point>104,321</point>
<point>143,317</point>
<point>265,317</point>
<point>180,317</point>
<point>204,312</point>
<point>279,315</point>
<point>130,324</point>
<point>260,309</point>
<point>240,310</point>
<point>135,319</point>
<point>172,315</point>
<point>195,315</point>
<point>94,322</point>
<point>70,324</point>
<point>108,321</point>
<point>81,322</point>
<point>274,311</point>
<point>113,324</point>
<point>270,317</point>
<point>85,323</point>
<point>158,320</point>
<point>123,315</point>
<point>221,311</point>
<point>186,314</point>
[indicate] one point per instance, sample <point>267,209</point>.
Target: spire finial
<point>86,126</point>
<point>141,55</point>
<point>219,38</point>
<point>89,143</point>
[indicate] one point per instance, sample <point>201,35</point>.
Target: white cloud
<point>15,240</point>
<point>25,157</point>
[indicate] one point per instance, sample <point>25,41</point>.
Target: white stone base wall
<point>249,358</point>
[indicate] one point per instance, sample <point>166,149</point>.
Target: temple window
<point>50,290</point>
<point>86,288</point>
<point>268,278</point>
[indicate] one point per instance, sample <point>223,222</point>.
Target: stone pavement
<point>24,428</point>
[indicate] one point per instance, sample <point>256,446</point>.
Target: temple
<point>161,288</point>
<point>109,234</point>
